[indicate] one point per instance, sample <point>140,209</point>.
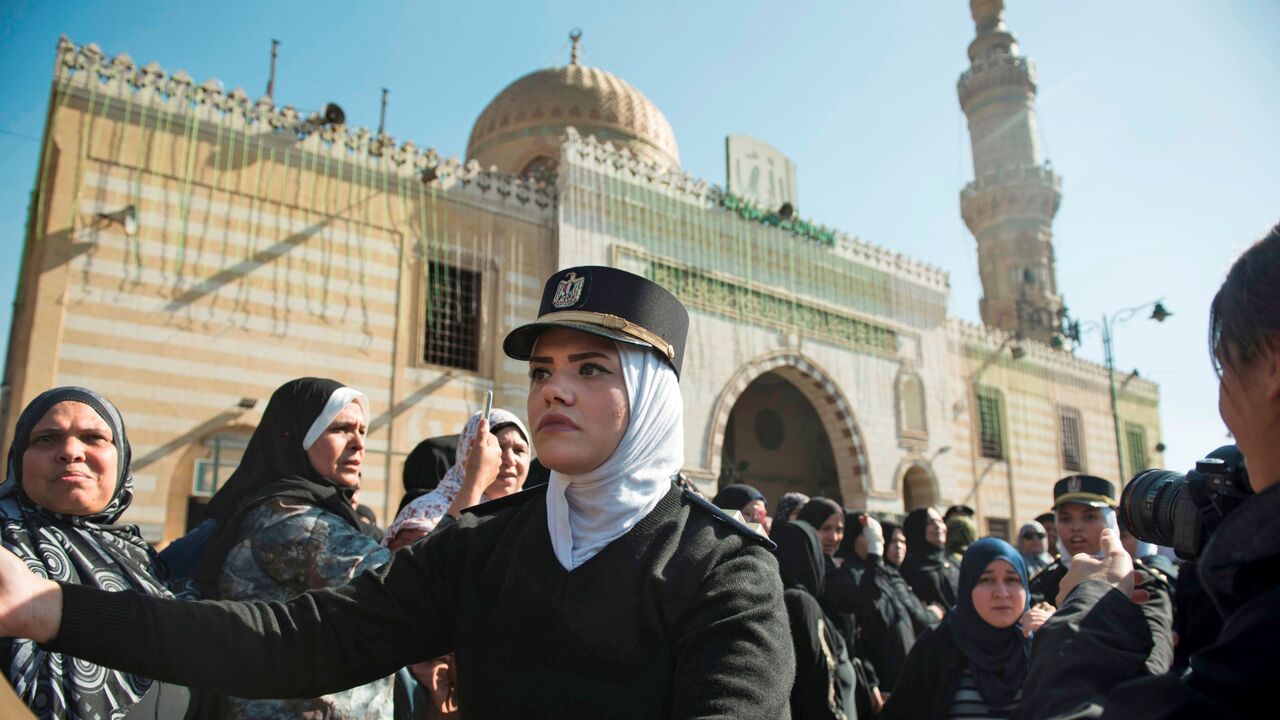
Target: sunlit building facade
<point>189,249</point>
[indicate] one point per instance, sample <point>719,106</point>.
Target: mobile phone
<point>488,404</point>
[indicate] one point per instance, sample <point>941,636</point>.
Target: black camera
<point>1182,511</point>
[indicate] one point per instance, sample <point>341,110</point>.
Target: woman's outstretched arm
<point>317,643</point>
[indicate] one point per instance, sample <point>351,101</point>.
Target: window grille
<point>1072,447</point>
<point>452,317</point>
<point>998,527</point>
<point>1136,439</point>
<point>991,426</point>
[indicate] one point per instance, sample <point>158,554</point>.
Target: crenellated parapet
<point>1018,191</point>
<point>605,158</point>
<point>999,71</point>
<point>88,73</point>
<point>1036,358</point>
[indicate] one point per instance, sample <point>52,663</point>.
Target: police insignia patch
<point>568,291</point>
<point>1073,485</point>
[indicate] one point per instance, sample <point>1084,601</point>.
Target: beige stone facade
<point>256,258</point>
<point>264,246</point>
<point>1033,396</point>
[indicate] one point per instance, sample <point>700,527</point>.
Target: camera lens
<point>1149,505</point>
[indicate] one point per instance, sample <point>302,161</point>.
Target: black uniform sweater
<point>682,617</point>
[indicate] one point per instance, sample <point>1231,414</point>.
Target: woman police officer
<point>635,599</point>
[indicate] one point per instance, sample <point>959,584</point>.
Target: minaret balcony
<point>997,71</point>
<point>1013,175</point>
<point>1010,191</point>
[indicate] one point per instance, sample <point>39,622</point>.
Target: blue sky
<point>1159,115</point>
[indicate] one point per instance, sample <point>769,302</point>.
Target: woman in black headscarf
<point>926,568</point>
<point>68,485</point>
<point>888,616</point>
<point>895,543</point>
<point>743,498</point>
<point>974,663</point>
<point>427,463</point>
<point>827,518</point>
<point>286,524</point>
<point>824,684</point>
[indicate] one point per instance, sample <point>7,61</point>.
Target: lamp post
<point>1158,313</point>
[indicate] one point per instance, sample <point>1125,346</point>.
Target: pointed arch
<point>821,390</point>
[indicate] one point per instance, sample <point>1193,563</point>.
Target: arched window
<point>911,407</point>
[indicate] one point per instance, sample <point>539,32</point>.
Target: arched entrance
<point>775,442</point>
<point>918,488</point>
<point>791,425</point>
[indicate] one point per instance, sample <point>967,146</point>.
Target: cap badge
<point>569,291</point>
<point>1073,485</point>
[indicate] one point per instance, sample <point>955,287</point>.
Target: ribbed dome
<point>522,126</point>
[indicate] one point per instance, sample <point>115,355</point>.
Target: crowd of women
<point>609,587</point>
<point>896,634</point>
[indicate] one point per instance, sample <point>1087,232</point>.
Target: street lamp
<point>1158,313</point>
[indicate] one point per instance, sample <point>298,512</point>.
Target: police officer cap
<point>611,303</point>
<point>1085,490</point>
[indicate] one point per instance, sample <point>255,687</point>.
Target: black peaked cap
<point>1085,490</point>
<point>611,303</point>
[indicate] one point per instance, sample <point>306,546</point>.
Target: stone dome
<point>520,130</point>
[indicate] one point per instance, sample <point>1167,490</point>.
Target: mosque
<point>189,249</point>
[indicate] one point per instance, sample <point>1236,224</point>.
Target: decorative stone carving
<point>602,158</point>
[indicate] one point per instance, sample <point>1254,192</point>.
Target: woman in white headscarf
<point>609,592</point>
<point>459,490</point>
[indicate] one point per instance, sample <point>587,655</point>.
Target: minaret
<point>1010,204</point>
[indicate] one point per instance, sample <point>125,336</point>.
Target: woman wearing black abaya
<point>974,663</point>
<point>889,616</point>
<point>926,568</point>
<point>286,525</point>
<point>68,484</point>
<point>824,685</point>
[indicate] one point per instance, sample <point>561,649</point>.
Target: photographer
<point>1089,659</point>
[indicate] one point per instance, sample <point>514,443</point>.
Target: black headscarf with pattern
<point>91,550</point>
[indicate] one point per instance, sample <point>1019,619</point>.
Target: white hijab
<point>587,512</point>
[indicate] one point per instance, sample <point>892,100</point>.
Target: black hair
<point>1245,314</point>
